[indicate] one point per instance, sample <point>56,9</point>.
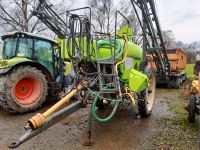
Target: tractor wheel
<point>23,90</point>
<point>192,109</point>
<point>146,97</point>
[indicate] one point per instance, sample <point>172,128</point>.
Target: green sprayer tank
<point>105,52</point>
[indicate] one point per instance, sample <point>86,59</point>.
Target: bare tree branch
<point>102,12</point>
<point>41,29</point>
<point>16,15</point>
<point>8,15</point>
<point>18,4</point>
<point>35,25</point>
<point>8,22</point>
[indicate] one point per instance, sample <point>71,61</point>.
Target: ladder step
<point>106,62</point>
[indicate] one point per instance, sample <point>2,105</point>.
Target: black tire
<point>146,99</point>
<point>192,109</point>
<point>197,68</point>
<point>8,93</point>
<point>177,83</point>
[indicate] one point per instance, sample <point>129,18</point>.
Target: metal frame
<point>50,18</point>
<point>152,36</point>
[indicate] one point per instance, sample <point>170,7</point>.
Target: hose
<point>119,51</point>
<point>96,117</point>
<point>93,109</point>
<point>126,53</point>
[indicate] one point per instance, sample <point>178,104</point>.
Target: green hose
<point>96,117</point>
<point>119,51</point>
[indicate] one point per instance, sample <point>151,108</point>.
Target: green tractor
<point>31,68</point>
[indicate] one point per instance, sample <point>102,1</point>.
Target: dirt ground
<point>167,128</point>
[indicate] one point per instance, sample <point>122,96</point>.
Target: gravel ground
<point>164,129</point>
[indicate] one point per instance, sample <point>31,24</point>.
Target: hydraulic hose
<point>96,117</point>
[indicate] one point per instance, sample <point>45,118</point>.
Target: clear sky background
<point>180,16</point>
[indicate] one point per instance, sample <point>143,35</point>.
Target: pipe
<point>126,53</point>
<point>131,96</point>
<point>49,121</point>
<point>39,119</point>
<point>116,66</point>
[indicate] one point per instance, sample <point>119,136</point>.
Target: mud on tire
<point>12,97</point>
<point>146,97</point>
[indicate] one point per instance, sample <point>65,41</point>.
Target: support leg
<point>88,141</point>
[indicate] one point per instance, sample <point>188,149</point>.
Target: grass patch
<point>181,115</point>
<point>175,131</point>
<point>190,71</point>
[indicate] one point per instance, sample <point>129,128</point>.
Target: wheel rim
<point>151,92</point>
<point>27,90</point>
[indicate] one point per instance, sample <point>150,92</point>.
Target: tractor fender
<point>44,70</point>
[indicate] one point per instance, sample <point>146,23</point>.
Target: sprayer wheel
<point>177,83</point>
<point>147,96</point>
<point>23,90</point>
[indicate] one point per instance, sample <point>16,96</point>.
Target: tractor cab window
<point>43,53</point>
<point>25,47</point>
<point>21,47</point>
<point>43,50</point>
<point>9,48</point>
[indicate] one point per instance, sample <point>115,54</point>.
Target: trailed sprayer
<point>106,68</point>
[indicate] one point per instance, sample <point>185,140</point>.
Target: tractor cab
<point>21,45</point>
<point>32,67</point>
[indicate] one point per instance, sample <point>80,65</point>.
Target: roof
<point>15,33</point>
<point>179,49</point>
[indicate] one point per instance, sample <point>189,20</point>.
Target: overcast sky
<point>180,16</point>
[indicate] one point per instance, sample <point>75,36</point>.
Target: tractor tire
<point>192,109</point>
<point>146,97</point>
<point>23,90</point>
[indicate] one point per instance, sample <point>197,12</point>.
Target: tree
<point>16,15</point>
<point>102,11</point>
<point>168,38</point>
<point>103,14</point>
<point>191,57</point>
<point>128,10</point>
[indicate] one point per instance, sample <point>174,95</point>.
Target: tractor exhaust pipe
<point>49,121</point>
